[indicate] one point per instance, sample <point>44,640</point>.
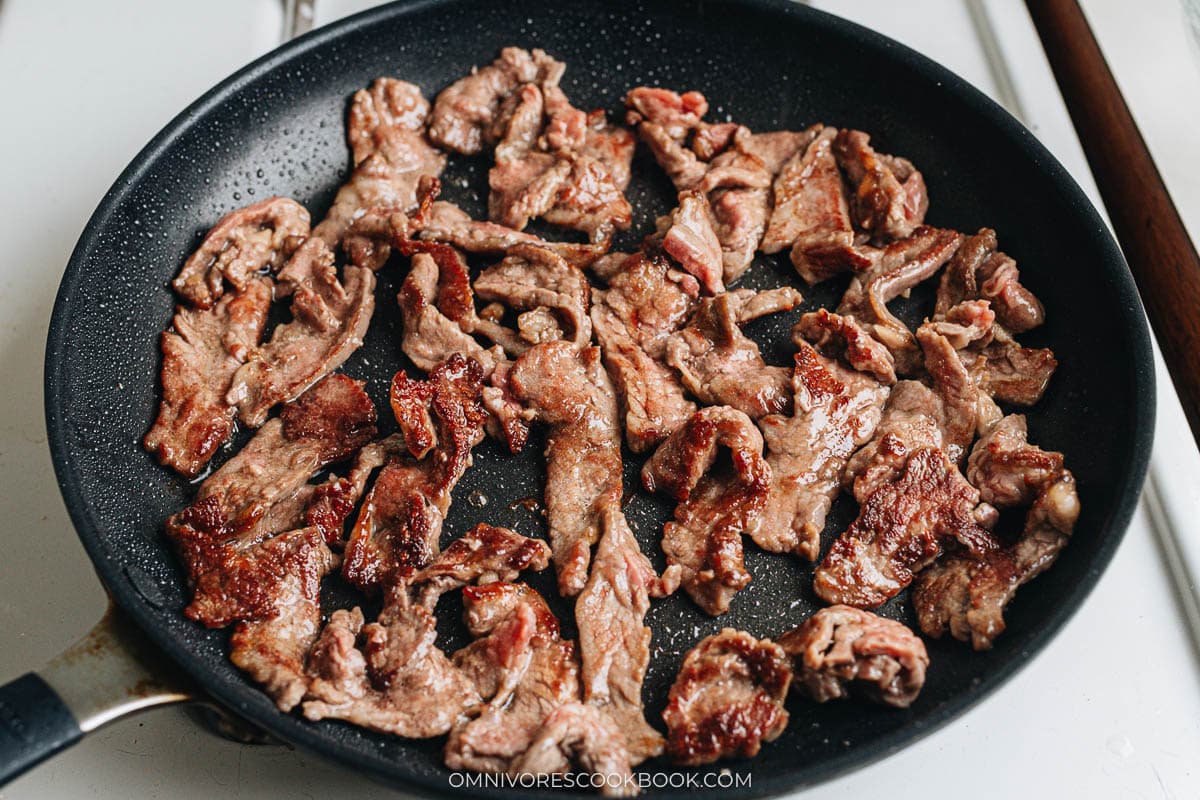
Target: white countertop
<point>84,85</point>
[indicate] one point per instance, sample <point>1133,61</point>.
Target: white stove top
<point>84,85</point>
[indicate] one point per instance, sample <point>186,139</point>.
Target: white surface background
<point>1111,709</point>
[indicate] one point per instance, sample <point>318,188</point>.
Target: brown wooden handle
<point>1156,244</point>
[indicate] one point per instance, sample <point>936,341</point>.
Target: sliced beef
<point>966,593</point>
<point>895,270</point>
<point>273,650</point>
<point>391,154</point>
<point>689,238</point>
<point>329,320</point>
<point>735,183</point>
<point>216,330</point>
<point>836,336</point>
<point>719,501</point>
<point>222,538</point>
<point>614,642</point>
<point>980,275</point>
<point>738,189</point>
<point>719,365</point>
<point>560,164</point>
<point>646,301</point>
<point>889,193</point>
<point>533,280</point>
<point>835,411</point>
<point>387,676</point>
<point>202,350</point>
<point>901,529</point>
<point>727,699</point>
<point>979,271</point>
<point>438,311</point>
<point>483,555</point>
<point>582,736</point>
<point>451,225</point>
<point>243,244</point>
<point>676,114</point>
<point>917,416</point>
<point>569,390</point>
<point>465,113</point>
<point>1010,373</point>
<point>398,526</point>
<point>811,214</point>
<point>841,651</point>
<point>521,668</point>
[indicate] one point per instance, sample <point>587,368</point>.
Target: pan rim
<point>293,730</point>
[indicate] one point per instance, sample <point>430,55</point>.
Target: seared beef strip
<point>889,193</point>
<point>966,594</point>
<point>717,504</point>
<point>916,416</point>
<point>241,245</point>
<point>646,301</point>
<point>689,238</point>
<point>584,736</point>
<point>438,311</point>
<point>836,410</point>
<point>386,131</point>
<point>398,527</point>
<point>980,274</point>
<point>811,214</point>
<point>273,649</point>
<point>399,681</point>
<point>483,555</point>
<point>836,336</point>
<point>1010,373</point>
<point>841,650</point>
<point>202,350</point>
<point>571,175</point>
<point>614,642</point>
<point>449,224</point>
<point>727,699</point>
<point>522,669</point>
<point>531,279</point>
<point>569,391</point>
<point>254,496</point>
<point>979,271</point>
<point>675,114</point>
<point>465,113</point>
<point>329,320</point>
<point>720,365</point>
<point>736,184</point>
<point>895,269</point>
<point>900,530</point>
<point>214,331</point>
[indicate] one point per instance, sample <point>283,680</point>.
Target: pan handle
<point>108,674</point>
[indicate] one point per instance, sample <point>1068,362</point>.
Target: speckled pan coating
<point>277,128</point>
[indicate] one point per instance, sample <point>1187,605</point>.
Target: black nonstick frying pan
<point>277,127</point>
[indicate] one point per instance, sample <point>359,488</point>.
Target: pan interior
<point>278,129</point>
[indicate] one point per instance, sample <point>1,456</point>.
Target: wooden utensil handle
<point>1161,256</point>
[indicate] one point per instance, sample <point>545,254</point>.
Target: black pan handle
<point>110,673</point>
<point>34,724</point>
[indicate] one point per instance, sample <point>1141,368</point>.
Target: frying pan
<point>277,127</point>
